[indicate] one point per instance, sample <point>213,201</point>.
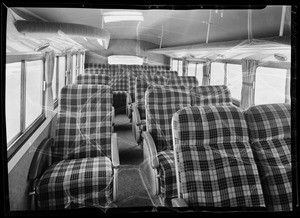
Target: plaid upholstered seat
<point>166,73</point>
<point>216,167</point>
<point>141,84</point>
<point>93,79</point>
<point>270,136</point>
<point>210,95</point>
<point>161,103</point>
<point>96,71</point>
<point>188,81</point>
<point>81,170</point>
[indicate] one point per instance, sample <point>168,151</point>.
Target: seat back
<point>270,136</point>
<point>119,80</point>
<point>161,103</point>
<point>188,81</point>
<point>93,79</point>
<point>141,84</point>
<point>210,95</point>
<point>96,71</point>
<point>167,73</point>
<point>215,164</point>
<point>83,122</point>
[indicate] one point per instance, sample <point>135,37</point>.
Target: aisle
<point>133,185</point>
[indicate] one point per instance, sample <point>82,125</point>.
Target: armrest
<point>149,144</point>
<point>136,114</point>
<point>128,98</point>
<point>115,151</point>
<point>179,202</point>
<point>41,159</point>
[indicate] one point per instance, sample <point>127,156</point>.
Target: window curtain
<point>83,62</point>
<point>206,73</point>
<point>69,69</point>
<point>249,71</point>
<point>49,72</point>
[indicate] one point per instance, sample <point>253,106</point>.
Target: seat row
<point>127,67</point>
<point>199,95</point>
<point>78,167</point>
<point>217,155</point>
<point>122,82</point>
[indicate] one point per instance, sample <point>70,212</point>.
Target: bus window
<point>199,73</point>
<point>13,100</point>
<point>270,85</point>
<point>34,91</point>
<point>177,66</point>
<point>217,75</point>
<point>179,70</point>
<point>234,80</point>
<point>191,69</point>
<point>61,72</point>
<point>74,70</point>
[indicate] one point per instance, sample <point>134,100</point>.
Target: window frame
<point>17,141</point>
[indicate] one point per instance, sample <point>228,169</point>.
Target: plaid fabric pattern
<point>141,84</point>
<point>83,122</point>
<point>76,183</point>
<point>92,79</point>
<point>127,67</point>
<point>96,71</point>
<point>167,73</point>
<point>167,176</point>
<point>215,161</point>
<point>207,95</point>
<point>119,80</point>
<point>161,103</point>
<point>189,81</point>
<point>95,65</point>
<point>270,136</point>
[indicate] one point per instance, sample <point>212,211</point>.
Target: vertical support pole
<point>282,20</point>
<point>208,27</point>
<point>249,25</point>
<point>23,97</point>
<point>162,34</point>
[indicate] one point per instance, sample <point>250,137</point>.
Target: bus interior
<point>149,108</point>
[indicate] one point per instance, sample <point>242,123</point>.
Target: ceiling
<point>182,33</point>
<point>177,27</point>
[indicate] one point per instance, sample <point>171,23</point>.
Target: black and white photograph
<point>173,109</point>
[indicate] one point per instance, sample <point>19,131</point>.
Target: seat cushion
<point>167,176</point>
<point>76,183</point>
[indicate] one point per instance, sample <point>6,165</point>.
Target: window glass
<point>191,69</point>
<point>217,74</point>
<point>74,73</point>
<point>61,73</point>
<point>54,80</point>
<point>34,91</point>
<point>179,68</point>
<point>234,80</point>
<point>13,99</point>
<point>270,85</point>
<point>174,64</point>
<point>199,73</point>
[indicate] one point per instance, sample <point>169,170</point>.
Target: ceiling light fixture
<point>117,16</point>
<point>125,59</point>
